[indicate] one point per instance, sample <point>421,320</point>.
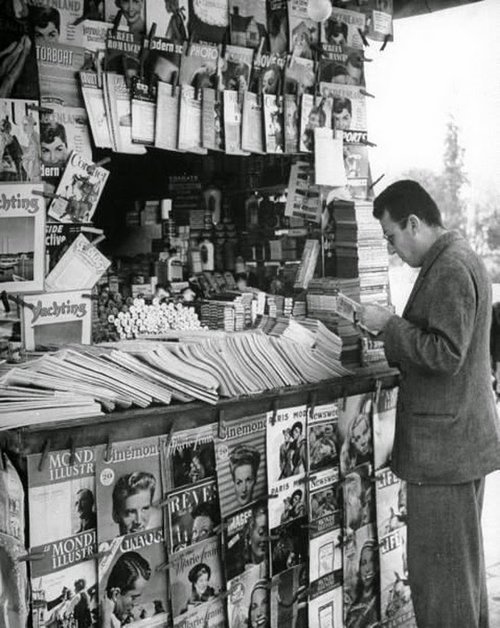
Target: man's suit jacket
<point>447,429</point>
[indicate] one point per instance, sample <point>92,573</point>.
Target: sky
<point>442,63</point>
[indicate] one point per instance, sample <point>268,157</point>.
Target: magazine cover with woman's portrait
<point>355,432</point>
<point>248,601</point>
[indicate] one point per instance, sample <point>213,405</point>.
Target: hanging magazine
<point>291,123</point>
<point>51,21</point>
<point>79,190</point>
<point>299,76</point>
<point>277,26</point>
<point>249,597</point>
<point>359,499</point>
<point>235,68</point>
<point>162,60</point>
<point>341,64</point>
<point>378,19</point>
<point>267,73</point>
<point>232,112</point>
<point>208,22</point>
<point>288,600</point>
<point>241,463</point>
<point>122,53</point>
<point>273,123</point>
<point>118,109</point>
<point>58,67</point>
<point>247,22</point>
<point>212,122</point>
<point>348,110</point>
<point>384,422</point>
<point>325,500</point>
<point>322,438</point>
<point>326,610</point>
<point>171,19</point>
<point>355,432</point>
<point>190,121</point>
<point>199,66</point>
<point>167,116</point>
<point>91,36</point>
<point>93,97</point>
<point>343,27</point>
<point>252,129</point>
<point>20,126</point>
<point>143,111</point>
<point>303,32</point>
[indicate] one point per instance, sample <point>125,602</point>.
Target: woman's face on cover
<point>244,482</point>
<point>132,10</point>
<point>367,566</point>
<point>361,435</point>
<point>201,583</point>
<point>258,537</point>
<point>258,608</point>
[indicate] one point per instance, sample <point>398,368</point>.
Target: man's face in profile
<point>135,512</point>
<point>54,153</point>
<point>125,603</point>
<point>83,504</point>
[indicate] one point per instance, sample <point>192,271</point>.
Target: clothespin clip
<point>387,38</point>
<point>221,431</point>
<point>160,503</point>
<point>116,23</point>
<point>303,480</point>
<point>272,496</point>
<point>312,525</point>
<point>5,301</point>
<point>124,65</point>
<point>222,595</point>
<point>313,397</point>
<point>365,93</point>
<point>108,452</point>
<point>372,185</point>
<point>45,453</point>
<point>40,108</point>
<point>44,194</point>
<point>219,529</point>
<point>20,301</point>
<point>103,162</point>
<point>367,142</point>
<point>274,410</point>
<point>72,451</point>
<point>100,553</point>
<point>378,388</point>
<point>3,458</point>
<point>94,242</point>
<point>163,566</point>
<point>344,400</point>
<point>31,555</point>
<point>363,37</point>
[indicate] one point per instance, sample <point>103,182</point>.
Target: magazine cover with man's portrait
<point>322,437</point>
<point>241,463</point>
<point>128,485</point>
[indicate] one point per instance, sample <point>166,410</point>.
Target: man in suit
<point>447,434</point>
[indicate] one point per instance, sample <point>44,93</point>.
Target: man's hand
<point>374,317</point>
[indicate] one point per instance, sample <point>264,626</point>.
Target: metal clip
<point>387,38</point>
<point>45,453</point>
<point>372,185</point>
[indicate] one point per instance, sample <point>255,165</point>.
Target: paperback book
<point>22,237</point>
<point>79,190</point>
<point>93,97</point>
<point>303,32</point>
<point>192,514</point>
<point>188,456</point>
<point>247,22</point>
<point>20,152</point>
<point>128,485</point>
<point>241,463</point>
<point>246,540</point>
<point>145,603</point>
<point>58,67</point>
<point>167,116</point>
<point>235,67</point>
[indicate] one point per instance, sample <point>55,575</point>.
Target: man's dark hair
<point>50,130</point>
<point>299,425</point>
<point>339,104</point>
<point>131,484</point>
<point>297,493</point>
<point>206,509</point>
<point>406,197</point>
<point>42,17</point>
<point>127,569</point>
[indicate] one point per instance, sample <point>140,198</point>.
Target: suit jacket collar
<point>442,243</point>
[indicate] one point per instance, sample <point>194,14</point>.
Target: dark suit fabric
<point>447,434</point>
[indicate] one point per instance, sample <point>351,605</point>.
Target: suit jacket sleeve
<point>438,343</point>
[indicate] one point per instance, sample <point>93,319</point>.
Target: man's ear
<point>414,223</point>
<point>114,593</point>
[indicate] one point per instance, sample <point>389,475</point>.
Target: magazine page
<point>208,22</point>
<point>91,36</point>
<point>20,159</point>
<point>14,580</point>
<point>303,32</point>
<point>163,61</point>
<point>196,580</point>
<point>291,115</point>
<point>188,456</point>
<point>63,130</point>
<point>235,67</point>
<point>248,601</point>
<point>23,82</point>
<point>384,423</point>
<point>212,123</point>
<point>232,112</point>
<point>252,129</point>
<point>241,463</point>
<point>58,237</point>
<point>122,53</point>
<point>190,121</point>
<point>12,504</point>
<point>93,97</point>
<point>133,581</point>
<point>143,111</point>
<point>55,22</point>
<point>299,76</point>
<point>396,605</point>
<point>247,22</point>
<point>359,499</point>
<point>357,165</point>
<point>325,501</point>
<point>58,67</point>
<point>79,190</point>
<point>22,240</point>
<point>79,268</point>
<point>348,105</point>
<point>289,598</point>
<point>322,437</point>
<point>326,610</point>
<point>329,155</point>
<point>361,592</point>
<point>167,116</point>
<point>199,66</point>
<point>273,124</point>
<point>343,28</point>
<point>128,484</point>
<point>171,19</point>
<point>277,26</point>
<point>267,73</point>
<point>325,561</point>
<point>246,540</point>
<point>355,432</point>
<point>117,97</point>
<point>192,514</point>
<point>341,64</point>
